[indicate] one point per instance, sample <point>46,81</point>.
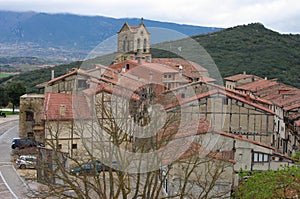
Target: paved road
<point>11,185</point>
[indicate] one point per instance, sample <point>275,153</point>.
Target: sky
<point>279,15</point>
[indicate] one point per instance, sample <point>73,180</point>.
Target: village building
<point>285,103</point>
<point>31,124</point>
<point>255,121</point>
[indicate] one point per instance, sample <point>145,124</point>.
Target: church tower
<point>134,39</point>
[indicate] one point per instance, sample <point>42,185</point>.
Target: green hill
<point>251,48</point>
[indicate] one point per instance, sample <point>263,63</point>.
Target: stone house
<point>61,112</point>
<point>31,124</point>
<point>237,80</point>
<point>284,99</point>
<point>227,112</point>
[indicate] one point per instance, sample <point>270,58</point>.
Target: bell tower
<point>134,39</point>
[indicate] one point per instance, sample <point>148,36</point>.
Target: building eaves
<point>237,77</point>
<point>217,91</point>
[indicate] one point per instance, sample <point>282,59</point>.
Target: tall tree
<point>14,91</point>
<point>3,96</point>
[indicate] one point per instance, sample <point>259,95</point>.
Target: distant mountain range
<point>68,35</point>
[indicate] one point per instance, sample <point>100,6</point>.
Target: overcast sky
<point>279,15</point>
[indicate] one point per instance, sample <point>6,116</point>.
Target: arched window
<point>138,43</point>
<point>124,45</point>
<point>145,45</point>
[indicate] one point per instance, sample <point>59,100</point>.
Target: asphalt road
<point>11,185</point>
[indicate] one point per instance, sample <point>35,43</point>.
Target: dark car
<point>93,168</point>
<point>21,143</point>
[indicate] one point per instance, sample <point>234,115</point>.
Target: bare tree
<point>148,153</point>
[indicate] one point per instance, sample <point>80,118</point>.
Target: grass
<point>10,112</point>
<point>5,75</point>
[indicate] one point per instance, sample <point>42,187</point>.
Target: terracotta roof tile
<point>288,101</point>
<point>61,106</point>
<point>297,122</point>
<point>239,77</point>
<point>243,139</point>
<point>185,130</point>
<point>291,107</point>
<point>258,85</point>
<point>115,90</point>
<point>74,72</point>
<point>190,69</point>
<point>255,99</point>
<point>218,91</point>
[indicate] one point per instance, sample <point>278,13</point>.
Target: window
<point>255,157</point>
<point>124,46</point>
<point>30,135</point>
<point>74,146</point>
<point>29,116</point>
<point>266,157</point>
<point>225,101</point>
<point>138,43</point>
<point>145,45</point>
<point>62,110</point>
<point>260,157</point>
<point>82,83</point>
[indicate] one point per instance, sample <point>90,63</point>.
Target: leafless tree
<point>142,149</point>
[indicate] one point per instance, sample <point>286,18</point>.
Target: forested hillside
<point>251,48</point>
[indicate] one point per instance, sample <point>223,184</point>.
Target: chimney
<point>180,70</point>
<point>52,74</point>
<point>119,77</point>
<point>244,72</point>
<point>248,97</point>
<point>139,60</point>
<point>150,76</point>
<point>266,78</point>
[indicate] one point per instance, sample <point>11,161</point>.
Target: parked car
<point>21,143</point>
<point>26,161</point>
<point>93,168</point>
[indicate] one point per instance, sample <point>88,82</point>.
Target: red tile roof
<point>237,77</point>
<point>288,101</point>
<point>238,137</point>
<point>74,72</point>
<point>190,69</point>
<point>291,107</point>
<point>178,152</point>
<point>258,85</point>
<point>218,91</point>
<point>256,99</point>
<point>61,106</point>
<point>115,90</point>
<point>185,130</point>
<point>297,122</point>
